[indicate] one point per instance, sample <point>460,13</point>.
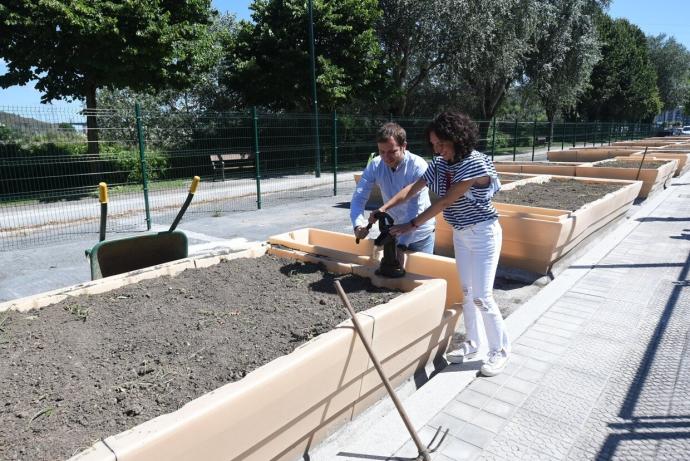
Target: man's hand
<point>361,232</point>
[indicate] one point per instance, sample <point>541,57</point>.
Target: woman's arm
<point>456,191</point>
<point>405,194</point>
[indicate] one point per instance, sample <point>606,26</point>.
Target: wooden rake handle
<point>424,452</point>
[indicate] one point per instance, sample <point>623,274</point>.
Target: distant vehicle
<point>685,130</point>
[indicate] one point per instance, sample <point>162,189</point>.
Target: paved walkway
<point>600,366</point>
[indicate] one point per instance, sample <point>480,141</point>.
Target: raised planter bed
<point>507,178</point>
<point>342,247</point>
<point>563,212</point>
<point>554,168</point>
<point>657,142</point>
<point>654,174</point>
<point>590,154</point>
<point>280,408</point>
<point>679,156</point>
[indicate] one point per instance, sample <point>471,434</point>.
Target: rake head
<point>425,452</point>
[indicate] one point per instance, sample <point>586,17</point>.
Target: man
<point>392,170</point>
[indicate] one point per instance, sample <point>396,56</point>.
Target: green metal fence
<point>49,175</point>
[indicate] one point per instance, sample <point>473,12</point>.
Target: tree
<point>672,63</point>
<point>269,64</point>
<point>417,39</point>
<point>565,52</point>
<point>623,83</point>
<point>498,37</point>
<point>74,47</point>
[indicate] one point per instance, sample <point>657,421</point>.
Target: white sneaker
<point>464,352</point>
<point>495,364</point>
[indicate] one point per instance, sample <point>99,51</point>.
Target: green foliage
<point>6,133</point>
<point>72,46</point>
<point>128,162</point>
<point>672,63</point>
<point>623,84</point>
<point>566,49</point>
<point>497,39</point>
<point>269,63</point>
<point>501,140</point>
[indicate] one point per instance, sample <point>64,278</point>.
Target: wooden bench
<point>542,140</point>
<point>225,162</point>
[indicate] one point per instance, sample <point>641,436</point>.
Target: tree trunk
<point>492,96</point>
<point>91,121</point>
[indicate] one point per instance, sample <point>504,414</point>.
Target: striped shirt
<point>475,206</point>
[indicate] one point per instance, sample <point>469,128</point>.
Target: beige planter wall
<point>375,198</point>
<point>534,238</point>
<point>291,403</point>
<point>652,178</point>
<point>562,169</point>
<point>590,154</point>
<point>674,153</point>
<point>514,177</point>
<point>658,142</point>
<point>680,157</point>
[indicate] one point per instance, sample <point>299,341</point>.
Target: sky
<point>671,17</point>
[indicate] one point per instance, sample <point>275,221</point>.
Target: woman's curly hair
<point>456,127</point>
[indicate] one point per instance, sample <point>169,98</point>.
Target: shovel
<point>424,451</point>
<point>190,196</point>
<point>103,198</point>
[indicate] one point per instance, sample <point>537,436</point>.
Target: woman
<point>465,181</point>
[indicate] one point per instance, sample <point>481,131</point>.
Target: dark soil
<point>632,164</point>
<point>94,366</point>
<point>559,194</point>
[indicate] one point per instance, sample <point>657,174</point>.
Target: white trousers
<point>477,249</point>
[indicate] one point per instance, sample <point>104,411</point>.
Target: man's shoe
<point>464,352</point>
<point>495,364</point>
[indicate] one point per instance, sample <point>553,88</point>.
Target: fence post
<point>534,137</point>
<point>616,131</point>
<point>257,158</point>
<point>599,134</point>
<point>548,138</point>
<point>142,164</point>
<point>515,132</point>
<point>563,136</point>
<point>585,143</point>
<point>574,137</point>
<point>335,153</point>
<point>609,133</point>
<point>493,139</point>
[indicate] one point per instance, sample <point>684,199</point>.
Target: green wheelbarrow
<point>114,257</point>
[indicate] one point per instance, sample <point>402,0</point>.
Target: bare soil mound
<point>559,194</point>
<point>94,366</point>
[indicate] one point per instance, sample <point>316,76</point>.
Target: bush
<point>127,161</point>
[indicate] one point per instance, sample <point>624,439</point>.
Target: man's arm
<point>359,199</point>
<point>405,194</point>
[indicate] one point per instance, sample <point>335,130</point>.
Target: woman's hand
<point>372,216</point>
<point>401,229</point>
